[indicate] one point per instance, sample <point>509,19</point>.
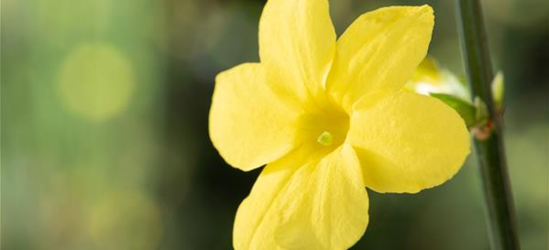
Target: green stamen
<point>325,139</point>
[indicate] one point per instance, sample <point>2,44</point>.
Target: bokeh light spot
<point>96,81</point>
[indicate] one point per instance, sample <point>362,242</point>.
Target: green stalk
<point>488,139</point>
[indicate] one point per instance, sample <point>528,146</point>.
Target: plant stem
<point>489,147</point>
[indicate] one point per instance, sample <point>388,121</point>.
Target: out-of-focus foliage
<point>104,126</point>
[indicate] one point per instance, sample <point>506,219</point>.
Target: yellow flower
<point>329,119</point>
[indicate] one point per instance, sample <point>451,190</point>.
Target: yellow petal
<point>297,46</point>
<point>325,205</point>
<point>305,203</point>
<point>257,216</point>
<point>249,125</point>
<point>380,50</point>
<point>407,142</point>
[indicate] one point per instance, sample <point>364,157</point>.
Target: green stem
<point>488,140</point>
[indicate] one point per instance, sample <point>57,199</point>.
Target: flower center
<point>324,130</point>
<point>325,139</point>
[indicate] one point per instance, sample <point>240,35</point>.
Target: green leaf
<point>464,108</point>
<point>481,114</point>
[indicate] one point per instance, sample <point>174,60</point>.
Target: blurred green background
<point>105,111</point>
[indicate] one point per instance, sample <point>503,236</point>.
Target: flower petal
<point>325,205</point>
<point>297,46</point>
<point>257,216</point>
<point>249,125</point>
<point>407,142</point>
<point>380,50</point>
<point>301,204</point>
